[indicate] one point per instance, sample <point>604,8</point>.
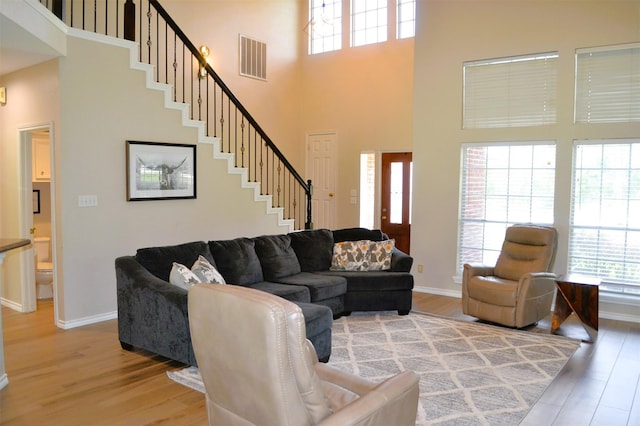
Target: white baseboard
<point>66,325</point>
<point>11,304</point>
<point>4,380</point>
<point>602,314</point>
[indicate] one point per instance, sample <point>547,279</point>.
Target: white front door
<point>322,170</point>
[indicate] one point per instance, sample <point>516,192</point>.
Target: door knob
<point>331,194</point>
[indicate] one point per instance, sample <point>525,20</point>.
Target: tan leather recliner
<point>519,290</point>
<point>258,368</point>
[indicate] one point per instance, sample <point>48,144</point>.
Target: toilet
<point>44,268</point>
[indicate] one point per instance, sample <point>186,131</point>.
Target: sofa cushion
<point>317,318</point>
<point>293,293</point>
<point>320,287</point>
<point>313,248</point>
<point>374,280</point>
<point>237,260</point>
<point>355,234</point>
<point>159,260</point>
<point>276,256</point>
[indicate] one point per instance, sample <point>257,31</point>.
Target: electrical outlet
<point>420,268</point>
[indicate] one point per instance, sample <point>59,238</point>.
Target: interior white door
<point>322,170</point>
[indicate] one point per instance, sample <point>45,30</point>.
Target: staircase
<point>174,61</point>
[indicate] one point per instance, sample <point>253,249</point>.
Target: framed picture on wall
<point>160,171</point>
<point>36,201</point>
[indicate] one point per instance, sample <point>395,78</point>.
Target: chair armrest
<point>400,261</point>
<point>392,402</point>
<point>476,269</point>
<point>355,384</point>
<point>536,284</point>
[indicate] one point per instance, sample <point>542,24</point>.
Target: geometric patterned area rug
<point>470,373</point>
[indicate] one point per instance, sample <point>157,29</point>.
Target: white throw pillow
<point>206,271</point>
<point>182,277</point>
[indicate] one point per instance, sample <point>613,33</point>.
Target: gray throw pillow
<point>276,256</point>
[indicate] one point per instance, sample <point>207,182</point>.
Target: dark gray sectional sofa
<point>152,313</point>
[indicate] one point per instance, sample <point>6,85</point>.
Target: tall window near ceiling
<point>405,18</point>
<point>604,229</point>
<point>502,184</point>
<point>510,92</point>
<point>368,22</point>
<point>324,26</point>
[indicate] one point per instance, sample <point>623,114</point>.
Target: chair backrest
<point>526,248</point>
<point>255,361</point>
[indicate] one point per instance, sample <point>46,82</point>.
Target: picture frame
<point>36,201</point>
<point>160,171</point>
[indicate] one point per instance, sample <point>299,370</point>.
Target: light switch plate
<point>3,95</point>
<point>87,200</point>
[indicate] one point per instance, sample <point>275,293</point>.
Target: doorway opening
<point>386,194</point>
<point>37,215</point>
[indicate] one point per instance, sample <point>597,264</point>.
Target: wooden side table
<point>577,294</point>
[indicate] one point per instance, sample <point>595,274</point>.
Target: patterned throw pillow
<point>206,272</point>
<point>350,256</point>
<point>182,277</point>
<point>380,255</point>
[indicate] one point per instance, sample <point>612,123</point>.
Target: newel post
<point>130,20</point>
<point>309,224</point>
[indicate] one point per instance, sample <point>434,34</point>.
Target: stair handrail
<point>127,29</point>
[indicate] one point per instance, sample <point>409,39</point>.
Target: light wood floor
<point>82,376</point>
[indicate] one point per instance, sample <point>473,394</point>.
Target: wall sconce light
<point>3,95</point>
<point>204,51</point>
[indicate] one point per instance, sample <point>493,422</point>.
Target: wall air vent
<point>253,58</point>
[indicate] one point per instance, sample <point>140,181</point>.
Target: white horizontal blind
<point>604,234</point>
<point>502,184</point>
<point>510,92</point>
<point>608,84</point>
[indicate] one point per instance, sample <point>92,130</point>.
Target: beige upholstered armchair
<point>258,368</point>
<point>519,290</point>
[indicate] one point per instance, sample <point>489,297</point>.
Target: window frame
<point>491,228</point>
<point>592,240</point>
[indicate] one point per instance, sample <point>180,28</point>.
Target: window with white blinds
<point>608,84</point>
<point>510,92</point>
<point>502,184</point>
<point>604,234</point>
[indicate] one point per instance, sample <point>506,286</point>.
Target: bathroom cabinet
<point>41,164</point>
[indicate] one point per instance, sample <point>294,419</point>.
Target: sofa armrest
<point>400,261</point>
<point>152,314</point>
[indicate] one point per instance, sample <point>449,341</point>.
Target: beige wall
<point>451,32</point>
<point>364,94</point>
<point>274,103</point>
